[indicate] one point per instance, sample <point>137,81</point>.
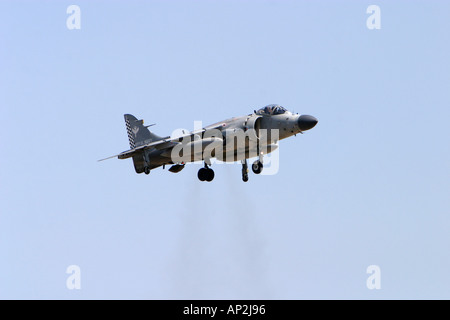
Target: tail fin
<point>138,134</point>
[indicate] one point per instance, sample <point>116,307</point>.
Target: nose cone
<point>306,122</point>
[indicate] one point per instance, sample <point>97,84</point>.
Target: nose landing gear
<point>257,167</point>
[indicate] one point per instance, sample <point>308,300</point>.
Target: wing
<point>164,143</point>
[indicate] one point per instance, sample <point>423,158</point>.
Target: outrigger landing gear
<point>146,162</point>
<point>244,170</point>
<point>205,174</point>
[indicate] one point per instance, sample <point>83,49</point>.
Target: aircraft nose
<point>306,122</point>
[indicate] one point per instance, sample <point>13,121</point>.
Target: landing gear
<point>244,170</point>
<point>205,174</point>
<point>257,167</point>
<point>146,162</point>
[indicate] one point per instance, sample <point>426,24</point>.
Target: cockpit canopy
<point>271,109</point>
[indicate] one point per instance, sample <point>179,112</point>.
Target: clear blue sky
<point>369,185</point>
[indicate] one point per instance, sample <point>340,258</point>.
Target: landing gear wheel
<point>209,175</point>
<point>245,177</point>
<point>146,170</point>
<point>257,167</point>
<point>205,174</point>
<point>202,174</point>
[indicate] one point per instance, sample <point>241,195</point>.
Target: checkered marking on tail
<point>130,134</point>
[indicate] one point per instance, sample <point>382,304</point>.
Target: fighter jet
<point>235,139</point>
